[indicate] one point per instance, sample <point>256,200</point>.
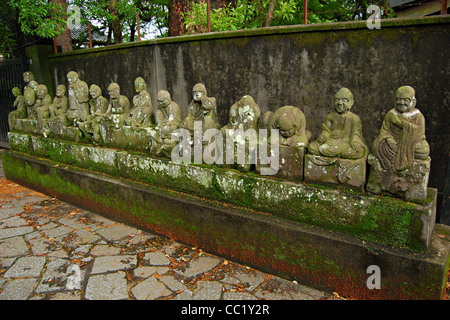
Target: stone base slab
<point>323,259</point>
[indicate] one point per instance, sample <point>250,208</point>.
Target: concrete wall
<point>297,65</point>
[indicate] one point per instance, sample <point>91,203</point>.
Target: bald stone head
<point>405,99</point>
<point>343,100</point>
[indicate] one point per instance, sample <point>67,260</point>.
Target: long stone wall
<point>296,65</point>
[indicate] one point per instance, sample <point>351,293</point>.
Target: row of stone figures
<point>399,161</point>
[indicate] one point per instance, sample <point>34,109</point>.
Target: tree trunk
<point>115,24</point>
<point>269,14</point>
<point>64,39</point>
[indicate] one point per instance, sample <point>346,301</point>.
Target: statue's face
<point>72,79</point>
<point>139,85</point>
<point>404,100</point>
<point>41,93</point>
<point>198,95</point>
<point>94,92</point>
<point>27,77</point>
<point>286,126</point>
<point>16,91</point>
<point>343,101</point>
<point>163,102</point>
<point>60,91</point>
<point>114,93</point>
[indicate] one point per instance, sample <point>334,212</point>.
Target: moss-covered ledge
<point>382,219</point>
<point>349,25</point>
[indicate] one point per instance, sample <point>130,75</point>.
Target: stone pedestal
<point>290,163</point>
<point>410,184</point>
<point>324,170</point>
<point>27,126</point>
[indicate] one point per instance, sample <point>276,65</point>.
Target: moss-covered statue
<point>339,154</point>
<point>293,139</point>
<point>98,110</point>
<point>20,111</point>
<point>58,113</point>
<point>141,115</point>
<point>400,162</point>
<point>202,108</point>
<point>29,93</point>
<point>168,118</point>
<point>42,104</point>
<point>240,143</point>
<point>119,105</point>
<point>78,98</point>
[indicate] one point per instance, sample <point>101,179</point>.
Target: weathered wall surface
<point>301,66</point>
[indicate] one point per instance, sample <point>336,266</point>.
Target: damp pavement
<point>52,250</point>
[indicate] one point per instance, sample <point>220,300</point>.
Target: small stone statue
<point>119,105</point>
<point>20,111</point>
<point>78,98</point>
<point>98,110</point>
<point>342,131</point>
<point>141,115</point>
<point>29,93</point>
<point>168,118</point>
<point>244,115</point>
<point>339,154</point>
<point>293,140</point>
<point>60,103</point>
<point>202,108</point>
<point>42,105</point>
<point>400,162</point>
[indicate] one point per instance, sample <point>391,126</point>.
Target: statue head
<point>405,99</point>
<point>287,125</point>
<point>163,98</point>
<point>95,91</point>
<point>16,91</point>
<point>343,100</point>
<point>33,84</point>
<point>28,76</point>
<point>60,90</point>
<point>199,92</point>
<point>139,84</point>
<point>41,91</point>
<point>72,77</point>
<point>114,91</point>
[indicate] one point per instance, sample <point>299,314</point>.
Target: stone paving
<point>52,250</point>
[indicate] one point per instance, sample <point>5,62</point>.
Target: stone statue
<point>20,111</point>
<point>78,98</point>
<point>291,123</point>
<point>29,93</point>
<point>42,104</point>
<point>342,131</point>
<point>400,162</point>
<point>119,106</point>
<point>168,118</point>
<point>141,115</point>
<point>293,140</point>
<point>97,111</point>
<point>243,115</point>
<point>202,108</point>
<point>339,154</point>
<point>60,103</point>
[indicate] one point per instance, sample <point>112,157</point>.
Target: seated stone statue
<point>339,154</point>
<point>119,105</point>
<point>141,115</point>
<point>168,118</point>
<point>29,92</point>
<point>400,162</point>
<point>42,105</point>
<point>293,139</point>
<point>78,98</point>
<point>239,144</point>
<point>202,108</point>
<point>98,110</point>
<point>342,131</point>
<point>58,113</point>
<point>20,111</point>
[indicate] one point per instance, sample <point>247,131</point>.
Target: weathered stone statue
<point>202,108</point>
<point>20,111</point>
<point>98,110</point>
<point>293,139</point>
<point>244,115</point>
<point>119,105</point>
<point>339,154</point>
<point>29,92</point>
<point>58,113</point>
<point>141,115</point>
<point>78,98</point>
<point>400,162</point>
<point>168,118</point>
<point>42,105</point>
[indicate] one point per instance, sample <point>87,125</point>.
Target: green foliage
<point>40,17</point>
